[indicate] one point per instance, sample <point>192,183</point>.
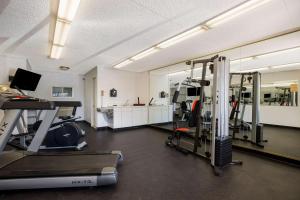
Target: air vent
<point>64,68</point>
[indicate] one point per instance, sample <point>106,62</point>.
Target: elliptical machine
<point>64,134</point>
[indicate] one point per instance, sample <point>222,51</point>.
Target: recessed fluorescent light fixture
<point>123,64</point>
<point>285,65</point>
<point>274,53</point>
<point>61,32</point>
<point>241,60</point>
<point>145,53</point>
<point>256,69</point>
<point>67,9</point>
<point>183,36</point>
<point>66,13</point>
<point>241,9</point>
<point>177,73</point>
<point>56,51</point>
<point>207,76</point>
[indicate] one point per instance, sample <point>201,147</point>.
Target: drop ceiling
<point>105,32</point>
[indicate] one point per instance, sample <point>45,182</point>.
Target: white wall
<point>61,79</point>
<point>8,66</point>
<point>124,82</point>
<point>142,87</point>
<point>159,83</point>
<point>130,86</point>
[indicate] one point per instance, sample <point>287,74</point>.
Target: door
<point>94,104</point>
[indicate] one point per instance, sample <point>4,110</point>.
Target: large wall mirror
<point>282,93</point>
<point>278,99</point>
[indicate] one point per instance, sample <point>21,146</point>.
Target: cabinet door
<point>165,114</point>
<point>151,113</point>
<point>155,115</point>
<point>136,117</point>
<point>117,119</point>
<point>126,117</point>
<point>144,116</point>
<point>170,113</point>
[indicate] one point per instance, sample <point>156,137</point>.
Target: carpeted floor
<point>153,171</point>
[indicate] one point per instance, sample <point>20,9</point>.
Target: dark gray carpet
<point>153,171</point>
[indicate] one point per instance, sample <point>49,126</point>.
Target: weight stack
<point>259,133</point>
<point>223,151</point>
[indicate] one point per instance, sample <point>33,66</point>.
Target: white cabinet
<point>160,114</point>
<point>164,114</point>
<point>170,113</point>
<point>154,114</point>
<point>117,118</point>
<point>139,116</point>
<point>126,116</point>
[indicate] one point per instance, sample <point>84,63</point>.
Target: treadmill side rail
<point>58,182</point>
<point>121,157</point>
<point>48,182</point>
<point>109,176</point>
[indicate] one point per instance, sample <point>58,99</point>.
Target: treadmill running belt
<point>58,165</point>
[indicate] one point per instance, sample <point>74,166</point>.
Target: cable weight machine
<point>255,128</point>
<point>218,144</point>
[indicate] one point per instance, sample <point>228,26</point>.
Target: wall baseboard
<point>127,128</point>
<point>85,122</point>
<point>102,128</point>
<point>281,126</point>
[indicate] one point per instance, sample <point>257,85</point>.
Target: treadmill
<point>33,170</point>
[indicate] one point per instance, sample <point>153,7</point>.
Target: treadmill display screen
<point>25,80</point>
<point>266,96</point>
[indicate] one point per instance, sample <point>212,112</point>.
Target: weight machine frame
<point>221,143</point>
<point>256,127</point>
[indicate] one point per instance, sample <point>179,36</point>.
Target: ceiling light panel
<point>145,53</point>
<point>239,10</point>
<point>61,32</point>
<point>241,60</point>
<point>285,66</point>
<point>177,73</point>
<point>256,69</point>
<point>275,53</point>
<point>56,51</point>
<point>67,9</point>
<point>123,64</point>
<point>66,12</point>
<point>181,37</point>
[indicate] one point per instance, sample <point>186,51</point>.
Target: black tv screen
<point>192,91</point>
<point>246,95</point>
<point>25,80</point>
<point>266,96</point>
<point>198,91</point>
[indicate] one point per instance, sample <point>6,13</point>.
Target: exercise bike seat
<point>182,129</point>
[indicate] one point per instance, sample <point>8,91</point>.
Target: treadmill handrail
<point>27,105</point>
<point>67,103</point>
